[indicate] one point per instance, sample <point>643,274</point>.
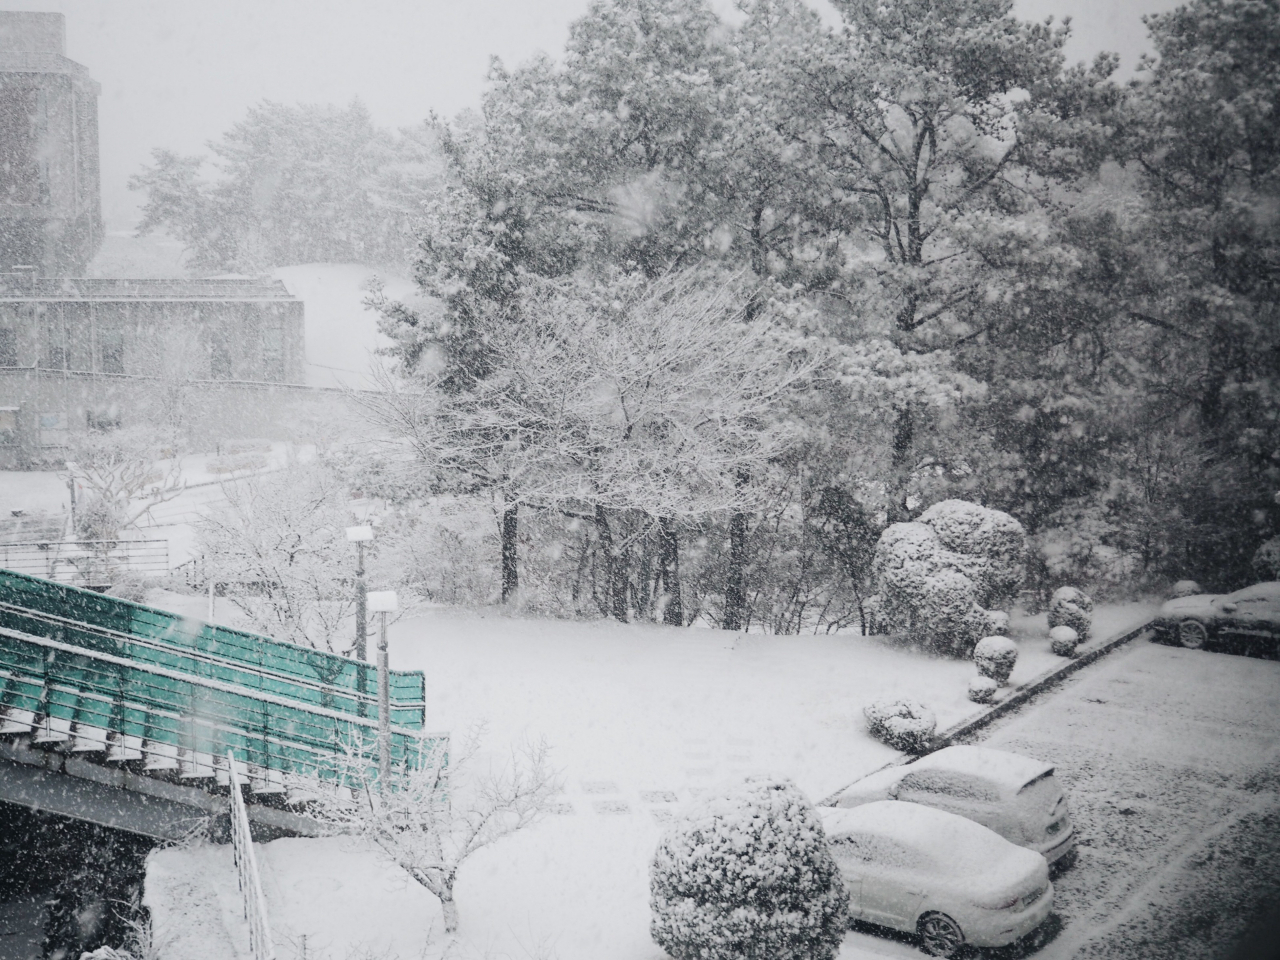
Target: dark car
<point>1248,617</point>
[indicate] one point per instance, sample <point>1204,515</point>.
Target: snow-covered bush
<point>1185,588</point>
<point>901,723</point>
<point>941,576</point>
<point>748,874</point>
<point>1266,561</point>
<point>995,657</point>
<point>1071,608</point>
<point>998,622</point>
<point>1063,641</point>
<point>982,689</point>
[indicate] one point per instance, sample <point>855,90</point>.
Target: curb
<point>1007,705</point>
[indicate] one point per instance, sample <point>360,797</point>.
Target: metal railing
<point>92,562</point>
<point>255,904</point>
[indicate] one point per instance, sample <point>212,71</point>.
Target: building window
<point>273,352</point>
<point>8,347</point>
<point>111,350</point>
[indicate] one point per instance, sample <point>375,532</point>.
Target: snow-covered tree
<point>294,184</point>
<point>121,473</point>
<point>747,875</point>
<point>440,809</point>
<point>281,537</point>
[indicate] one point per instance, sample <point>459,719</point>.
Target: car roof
<point>1010,770</point>
<point>920,827</point>
<point>1266,591</point>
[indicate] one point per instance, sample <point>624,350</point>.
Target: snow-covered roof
<point>955,839</point>
<point>1010,770</point>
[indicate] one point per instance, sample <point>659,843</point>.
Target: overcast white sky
<point>176,73</point>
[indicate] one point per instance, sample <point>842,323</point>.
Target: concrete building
<point>50,209</point>
<point>217,358</point>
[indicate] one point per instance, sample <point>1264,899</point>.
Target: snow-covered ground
<point>640,718</point>
<point>341,332</point>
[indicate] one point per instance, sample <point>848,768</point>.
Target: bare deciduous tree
<point>436,813</point>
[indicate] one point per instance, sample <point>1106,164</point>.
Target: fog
<point>177,73</point>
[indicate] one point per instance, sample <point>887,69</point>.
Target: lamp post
<point>383,602</point>
<point>360,536</point>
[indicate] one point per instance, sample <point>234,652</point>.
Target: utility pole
<point>384,602</point>
<point>360,536</point>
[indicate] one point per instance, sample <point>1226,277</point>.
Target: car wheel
<point>940,936</point>
<point>1192,634</point>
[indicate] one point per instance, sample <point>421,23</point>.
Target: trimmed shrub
<point>1266,561</point>
<point>748,875</point>
<point>995,657</point>
<point>902,724</point>
<point>1063,641</point>
<point>982,689</point>
<point>1185,588</point>
<point>939,577</point>
<point>1071,608</point>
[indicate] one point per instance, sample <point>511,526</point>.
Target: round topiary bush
<point>1266,561</point>
<point>995,657</point>
<point>1063,641</point>
<point>1185,588</point>
<point>982,689</point>
<point>1071,608</point>
<point>748,874</point>
<point>942,578</point>
<point>901,723</point>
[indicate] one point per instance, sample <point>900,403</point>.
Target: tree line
<point>709,305</point>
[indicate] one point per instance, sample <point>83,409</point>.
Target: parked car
<point>1016,796</point>
<point>943,877</point>
<point>1251,615</point>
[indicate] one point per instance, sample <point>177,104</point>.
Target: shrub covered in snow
<point>1063,641</point>
<point>1071,608</point>
<point>995,657</point>
<point>982,689</point>
<point>901,723</point>
<point>939,577</point>
<point>1266,561</point>
<point>1185,588</point>
<point>748,874</point>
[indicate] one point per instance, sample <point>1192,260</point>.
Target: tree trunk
<point>904,437</point>
<point>510,540</point>
<point>669,566</point>
<point>615,580</point>
<point>735,591</point>
<point>450,910</point>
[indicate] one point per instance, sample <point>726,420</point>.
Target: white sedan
<point>1016,796</point>
<point>945,878</point>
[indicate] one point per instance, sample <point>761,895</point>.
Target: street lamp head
<point>382,601</point>
<point>360,534</point>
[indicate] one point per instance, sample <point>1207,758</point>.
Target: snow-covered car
<point>1205,619</point>
<point>1016,796</point>
<point>945,878</point>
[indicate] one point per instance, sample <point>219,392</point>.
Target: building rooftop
<point>23,287</point>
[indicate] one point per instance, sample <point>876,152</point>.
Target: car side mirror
<point>1229,608</point>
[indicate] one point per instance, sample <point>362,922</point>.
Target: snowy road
<point>1172,761</point>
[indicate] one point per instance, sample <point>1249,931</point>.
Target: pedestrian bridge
<point>124,715</point>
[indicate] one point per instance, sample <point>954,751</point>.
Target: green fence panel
<point>140,672</point>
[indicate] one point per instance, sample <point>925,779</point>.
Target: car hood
<point>1199,603</point>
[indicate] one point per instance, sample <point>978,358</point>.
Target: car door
<point>893,882</point>
<point>853,865</point>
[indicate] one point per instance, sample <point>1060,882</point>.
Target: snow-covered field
<point>640,718</point>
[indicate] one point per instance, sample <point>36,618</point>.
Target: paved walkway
<point>1171,759</point>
